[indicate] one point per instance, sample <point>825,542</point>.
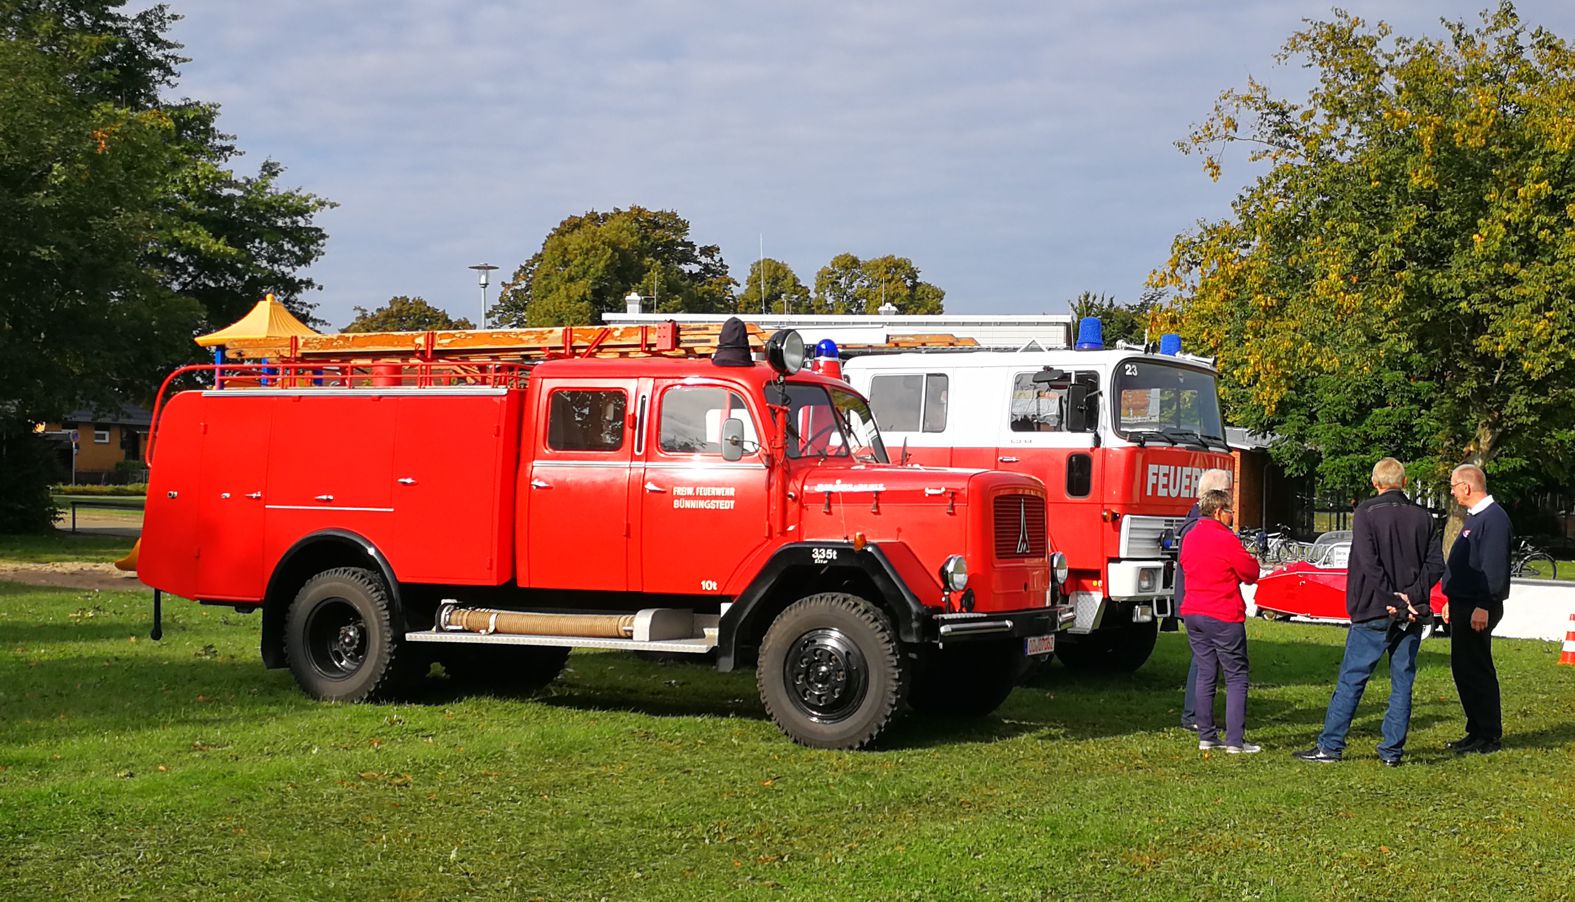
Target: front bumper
<point>966,626</point>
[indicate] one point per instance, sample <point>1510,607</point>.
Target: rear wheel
<point>342,642</point>
<point>967,679</point>
<point>1109,650</point>
<point>508,668</point>
<point>831,673</point>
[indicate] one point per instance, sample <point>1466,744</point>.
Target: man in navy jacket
<point>1476,582</point>
<point>1395,560</point>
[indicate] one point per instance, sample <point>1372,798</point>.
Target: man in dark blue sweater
<point>1476,582</point>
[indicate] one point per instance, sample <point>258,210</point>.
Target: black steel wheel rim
<point>336,638</point>
<point>825,675</point>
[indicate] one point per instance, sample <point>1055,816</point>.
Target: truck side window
<point>1079,475</point>
<point>692,418</point>
<point>910,402</point>
<point>586,420</point>
<point>1036,407</point>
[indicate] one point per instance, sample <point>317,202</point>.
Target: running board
<point>652,629</point>
<point>682,646</point>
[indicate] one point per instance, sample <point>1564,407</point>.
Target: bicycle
<point>1527,561</point>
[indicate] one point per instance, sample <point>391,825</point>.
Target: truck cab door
<point>701,516</point>
<point>577,505</point>
<point>1038,437</point>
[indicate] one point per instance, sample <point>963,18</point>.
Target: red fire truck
<point>1119,438</point>
<point>490,500</point>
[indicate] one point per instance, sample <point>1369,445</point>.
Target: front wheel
<point>1121,650</point>
<point>967,679</point>
<point>1531,566</point>
<point>831,673</point>
<point>341,639</point>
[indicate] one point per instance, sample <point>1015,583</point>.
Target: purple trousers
<point>1219,646</point>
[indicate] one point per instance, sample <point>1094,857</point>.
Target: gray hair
<point>1215,481</point>
<point>1389,473</point>
<point>1470,474</point>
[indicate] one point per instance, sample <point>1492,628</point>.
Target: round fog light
<point>954,573</point>
<point>1058,567</point>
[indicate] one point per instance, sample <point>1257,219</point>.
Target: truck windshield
<point>1170,404</point>
<point>831,424</point>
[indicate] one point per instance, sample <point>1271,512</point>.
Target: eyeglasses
<point>1454,484</point>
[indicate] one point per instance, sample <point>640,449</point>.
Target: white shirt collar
<point>1480,506</point>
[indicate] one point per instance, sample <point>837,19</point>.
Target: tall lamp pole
<point>483,274</point>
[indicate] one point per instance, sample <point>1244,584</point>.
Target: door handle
<point>407,480</point>
<point>325,497</point>
<point>540,484</point>
<point>654,488</point>
<point>254,495</point>
<point>224,496</point>
<point>1007,460</point>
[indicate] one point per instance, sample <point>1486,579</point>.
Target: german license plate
<point>1039,645</point>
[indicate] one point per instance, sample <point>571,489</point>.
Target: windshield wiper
<point>1181,435</point>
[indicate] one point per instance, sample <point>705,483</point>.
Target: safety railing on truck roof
<point>372,375</point>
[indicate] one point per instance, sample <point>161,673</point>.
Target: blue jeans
<point>1364,645</point>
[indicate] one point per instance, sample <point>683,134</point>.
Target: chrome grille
<point>1140,535</point>
<point>1019,526</point>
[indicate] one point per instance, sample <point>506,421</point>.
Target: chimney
<point>631,302</point>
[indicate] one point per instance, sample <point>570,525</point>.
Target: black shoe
<point>1191,726</point>
<point>1316,754</point>
<point>1463,742</point>
<point>1482,747</point>
<point>1390,762</point>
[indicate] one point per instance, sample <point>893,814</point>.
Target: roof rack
<point>667,339</point>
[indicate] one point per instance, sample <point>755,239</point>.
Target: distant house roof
<point>125,415</point>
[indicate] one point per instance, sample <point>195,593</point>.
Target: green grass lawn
<point>62,546</point>
<point>184,769</point>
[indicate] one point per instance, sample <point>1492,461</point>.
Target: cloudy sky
<point>1019,152</point>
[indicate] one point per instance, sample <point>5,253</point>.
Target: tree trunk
<point>1479,451</point>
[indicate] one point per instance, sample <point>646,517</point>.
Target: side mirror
<point>1078,417</point>
<point>732,439</point>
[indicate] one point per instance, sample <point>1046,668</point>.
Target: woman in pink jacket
<point>1215,567</point>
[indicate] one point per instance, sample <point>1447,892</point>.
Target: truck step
<point>652,629</point>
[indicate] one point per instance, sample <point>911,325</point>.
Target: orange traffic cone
<point>1569,644</point>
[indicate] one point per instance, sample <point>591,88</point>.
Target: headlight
<point>1147,579</point>
<point>1058,567</point>
<point>954,573</point>
<point>785,352</point>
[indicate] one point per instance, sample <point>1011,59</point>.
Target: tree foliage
<point>588,264</point>
<point>404,314</point>
<point>122,231</point>
<point>772,287</point>
<point>1401,279</point>
<point>848,284</point>
<point>1118,321</point>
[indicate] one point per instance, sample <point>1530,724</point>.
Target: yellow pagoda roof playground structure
<point>268,320</point>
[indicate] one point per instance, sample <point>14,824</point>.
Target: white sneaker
<point>1206,744</point>
<point>1246,748</point>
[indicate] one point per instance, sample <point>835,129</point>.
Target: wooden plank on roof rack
<point>542,343</point>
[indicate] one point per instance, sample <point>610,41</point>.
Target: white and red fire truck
<point>1119,437</point>
<point>490,500</point>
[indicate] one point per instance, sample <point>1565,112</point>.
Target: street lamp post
<point>483,274</point>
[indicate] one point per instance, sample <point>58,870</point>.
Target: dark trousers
<point>1216,646</point>
<point>1189,695</point>
<point>1471,659</point>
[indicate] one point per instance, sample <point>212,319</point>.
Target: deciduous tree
<point>848,284</point>
<point>772,287</point>
<point>404,314</point>
<point>588,264</point>
<point>122,231</point>
<point>1401,277</point>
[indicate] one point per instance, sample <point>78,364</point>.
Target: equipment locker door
<point>234,472</point>
<point>577,512</point>
<point>702,516</point>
